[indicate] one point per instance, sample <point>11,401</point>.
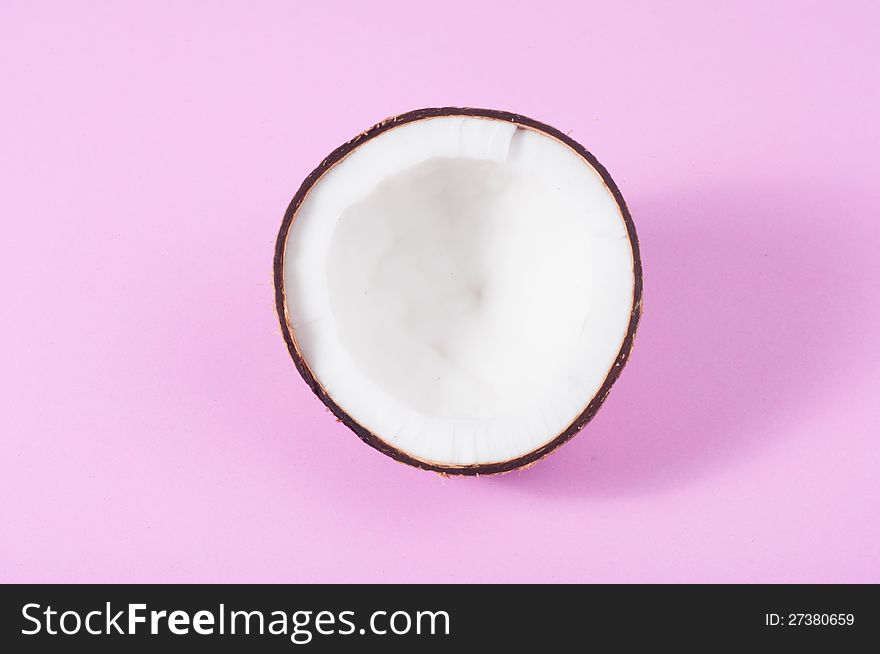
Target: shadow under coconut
<point>757,303</point>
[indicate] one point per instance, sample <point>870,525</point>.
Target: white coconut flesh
<point>460,287</point>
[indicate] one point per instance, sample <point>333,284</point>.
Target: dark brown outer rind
<point>372,439</point>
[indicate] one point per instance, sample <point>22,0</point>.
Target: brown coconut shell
<point>374,440</point>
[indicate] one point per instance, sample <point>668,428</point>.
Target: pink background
<point>154,428</point>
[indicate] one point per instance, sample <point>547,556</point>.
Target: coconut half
<point>461,287</point>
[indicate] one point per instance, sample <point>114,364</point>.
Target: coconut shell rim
<point>375,441</point>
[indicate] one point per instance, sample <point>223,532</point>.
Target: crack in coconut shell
<point>374,440</point>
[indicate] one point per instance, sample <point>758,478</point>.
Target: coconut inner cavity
<point>461,287</point>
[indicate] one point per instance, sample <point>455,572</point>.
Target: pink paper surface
<point>154,428</point>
